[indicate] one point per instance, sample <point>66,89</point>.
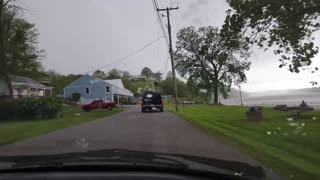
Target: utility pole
<point>171,54</point>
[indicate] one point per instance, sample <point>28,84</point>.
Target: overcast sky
<point>82,35</point>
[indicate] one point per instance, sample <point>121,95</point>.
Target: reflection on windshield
<point>226,81</point>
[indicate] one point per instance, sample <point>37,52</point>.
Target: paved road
<point>154,132</point>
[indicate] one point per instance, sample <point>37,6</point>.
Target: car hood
<point>137,158</point>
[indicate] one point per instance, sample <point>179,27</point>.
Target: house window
<point>107,89</point>
<point>87,90</point>
<point>107,99</point>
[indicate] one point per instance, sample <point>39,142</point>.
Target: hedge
<point>31,108</point>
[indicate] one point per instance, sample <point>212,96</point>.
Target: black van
<point>151,101</point>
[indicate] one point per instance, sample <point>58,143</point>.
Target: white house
<point>24,86</point>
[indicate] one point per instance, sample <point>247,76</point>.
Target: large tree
<point>114,74</point>
<point>214,59</point>
<point>19,54</point>
<point>286,25</point>
<point>99,74</point>
<point>146,72</point>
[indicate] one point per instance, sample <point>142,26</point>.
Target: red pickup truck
<point>99,104</point>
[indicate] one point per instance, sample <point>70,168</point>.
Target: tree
<point>146,72</point>
<point>166,87</point>
<point>157,76</point>
<point>125,74</point>
<point>212,58</point>
<point>169,75</point>
<point>19,54</point>
<point>6,16</point>
<point>289,25</point>
<point>99,74</point>
<point>60,81</point>
<point>114,74</point>
<point>24,55</point>
<point>193,87</point>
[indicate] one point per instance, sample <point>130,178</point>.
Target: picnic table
<point>296,110</point>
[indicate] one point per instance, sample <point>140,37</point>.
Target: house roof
<point>115,82</point>
<point>87,80</point>
<point>25,81</point>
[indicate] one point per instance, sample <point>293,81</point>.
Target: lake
<point>312,99</point>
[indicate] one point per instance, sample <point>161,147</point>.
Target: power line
<point>125,57</point>
<point>155,5</point>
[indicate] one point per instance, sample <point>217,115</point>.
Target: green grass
<point>12,131</point>
<point>294,153</point>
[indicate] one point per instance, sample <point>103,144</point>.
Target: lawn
<point>290,147</point>
<point>12,131</point>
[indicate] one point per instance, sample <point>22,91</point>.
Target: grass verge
<point>12,131</point>
<point>289,147</point>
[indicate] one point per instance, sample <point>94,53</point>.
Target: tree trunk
<point>8,82</point>
<point>215,94</point>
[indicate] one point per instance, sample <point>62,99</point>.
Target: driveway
<point>131,129</point>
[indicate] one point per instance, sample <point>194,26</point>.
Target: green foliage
<point>213,59</point>
<point>114,74</point>
<point>146,72</point>
<point>60,81</point>
<point>99,74</point>
<point>287,25</point>
<point>167,88</point>
<point>123,100</point>
<point>31,108</point>
<point>19,54</point>
<point>76,97</point>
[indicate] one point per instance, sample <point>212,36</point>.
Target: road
<point>131,129</point>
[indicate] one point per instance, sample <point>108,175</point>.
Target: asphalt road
<point>131,129</point>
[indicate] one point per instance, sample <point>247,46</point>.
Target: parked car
<point>99,104</point>
<point>187,102</point>
<point>151,101</point>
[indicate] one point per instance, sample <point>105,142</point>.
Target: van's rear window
<point>149,95</point>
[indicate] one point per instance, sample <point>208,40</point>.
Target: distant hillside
<point>287,92</point>
<point>235,93</point>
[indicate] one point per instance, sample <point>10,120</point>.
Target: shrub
<point>7,110</point>
<point>76,97</point>
<point>31,108</point>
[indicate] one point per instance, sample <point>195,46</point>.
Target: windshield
<point>225,79</point>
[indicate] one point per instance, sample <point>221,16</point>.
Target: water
<point>312,99</point>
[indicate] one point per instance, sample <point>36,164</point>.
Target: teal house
<point>92,88</point>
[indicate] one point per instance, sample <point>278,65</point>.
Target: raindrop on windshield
<point>269,133</point>
<point>290,119</point>
<point>314,118</point>
<point>83,143</point>
<point>294,124</point>
<point>291,176</point>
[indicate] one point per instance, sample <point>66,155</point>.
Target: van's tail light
<point>141,102</point>
<point>161,101</point>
